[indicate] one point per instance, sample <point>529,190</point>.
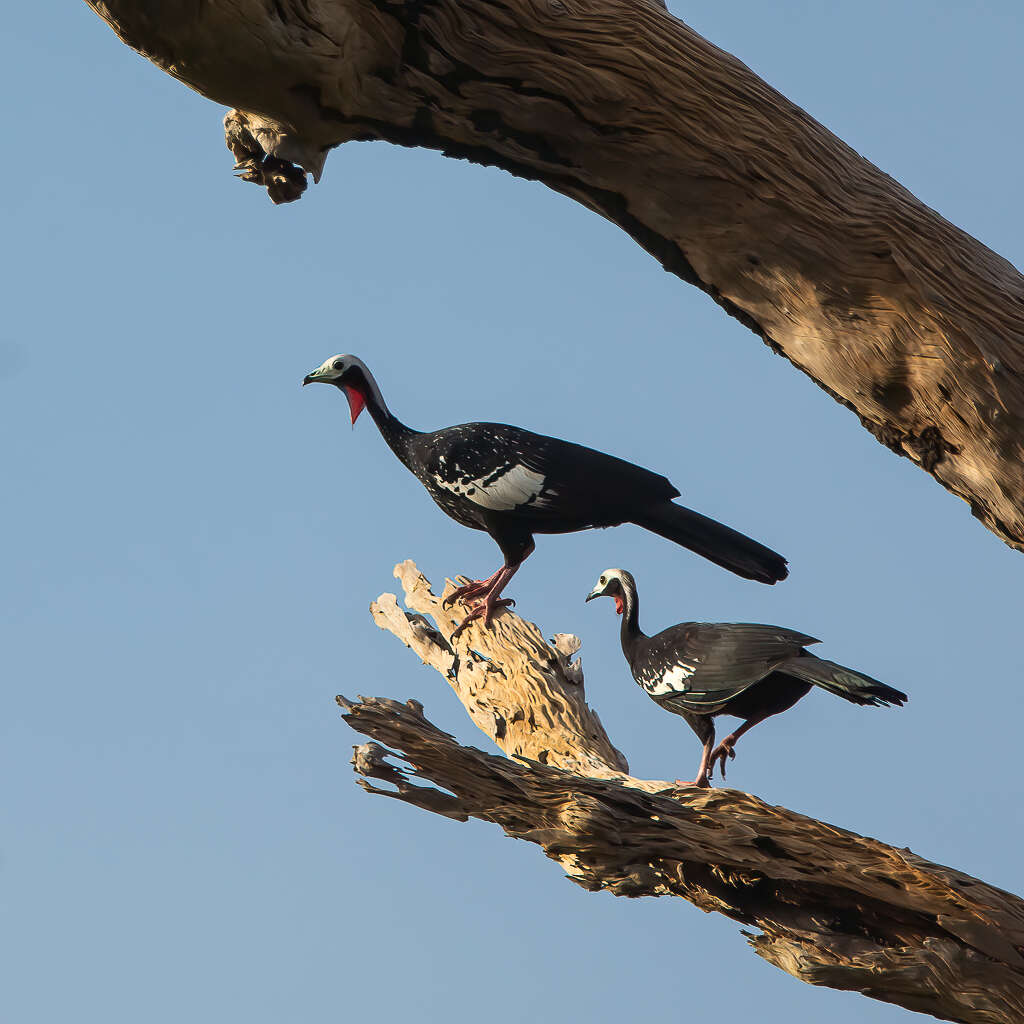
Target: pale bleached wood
<point>902,317</point>
<point>524,694</point>
<point>830,907</point>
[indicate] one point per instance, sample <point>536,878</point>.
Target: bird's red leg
<point>487,597</point>
<point>472,590</point>
<point>703,780</point>
<point>485,594</point>
<point>725,749</point>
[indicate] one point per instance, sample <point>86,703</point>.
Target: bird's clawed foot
<point>483,597</point>
<point>724,751</point>
<point>470,591</point>
<point>701,782</point>
<point>483,609</point>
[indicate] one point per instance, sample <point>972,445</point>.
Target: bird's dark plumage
<point>513,484</point>
<point>717,543</point>
<point>701,669</point>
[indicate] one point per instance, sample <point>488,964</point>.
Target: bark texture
<point>526,695</point>
<point>902,317</point>
<point>829,907</point>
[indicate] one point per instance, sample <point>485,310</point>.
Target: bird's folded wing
<point>505,468</point>
<point>705,664</point>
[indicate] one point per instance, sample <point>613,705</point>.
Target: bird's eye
<point>602,581</point>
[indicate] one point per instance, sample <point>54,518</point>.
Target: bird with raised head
<point>699,670</point>
<point>512,484</point>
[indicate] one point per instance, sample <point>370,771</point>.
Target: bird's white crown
<point>615,574</point>
<point>335,366</point>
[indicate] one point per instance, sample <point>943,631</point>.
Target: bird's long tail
<point>717,543</point>
<point>842,681</point>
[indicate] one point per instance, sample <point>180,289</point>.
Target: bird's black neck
<point>630,631</point>
<point>391,428</point>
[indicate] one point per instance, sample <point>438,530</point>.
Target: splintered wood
<point>829,907</point>
<point>525,694</point>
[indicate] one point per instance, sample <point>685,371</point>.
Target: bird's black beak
<point>592,595</point>
<point>308,379</point>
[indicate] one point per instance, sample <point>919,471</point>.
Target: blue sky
<point>192,541</point>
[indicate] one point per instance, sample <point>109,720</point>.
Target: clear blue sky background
<point>190,543</point>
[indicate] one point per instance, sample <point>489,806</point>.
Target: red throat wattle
<point>618,604</point>
<point>356,402</point>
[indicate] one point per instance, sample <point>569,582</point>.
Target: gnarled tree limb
<point>527,696</point>
<point>902,317</point>
<point>831,907</point>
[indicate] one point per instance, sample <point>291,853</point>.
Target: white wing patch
<point>503,489</point>
<point>672,681</point>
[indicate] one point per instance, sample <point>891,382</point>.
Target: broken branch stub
<point>527,696</point>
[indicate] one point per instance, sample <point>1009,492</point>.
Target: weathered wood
<point>524,694</point>
<point>831,907</point>
<point>902,317</point>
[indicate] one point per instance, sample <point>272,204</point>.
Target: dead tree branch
<point>902,317</point>
<point>829,907</point>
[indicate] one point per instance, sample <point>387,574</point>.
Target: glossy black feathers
<point>717,543</point>
<point>701,666</point>
<point>844,682</point>
<point>702,669</point>
<point>476,470</point>
<point>514,483</point>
